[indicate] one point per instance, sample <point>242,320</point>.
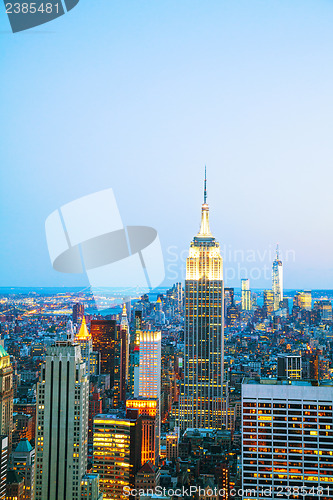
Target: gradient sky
<point>139,95</point>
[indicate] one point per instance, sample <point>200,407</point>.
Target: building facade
<point>105,339</point>
<point>62,424</point>
<point>246,295</point>
<point>117,454</point>
<point>287,439</point>
<point>201,402</point>
<point>148,408</point>
<point>150,364</point>
<point>6,396</point>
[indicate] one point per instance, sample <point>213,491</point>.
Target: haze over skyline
<point>139,97</point>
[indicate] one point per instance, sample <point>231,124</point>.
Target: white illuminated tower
<point>150,364</point>
<point>62,424</point>
<point>277,281</point>
<point>201,402</point>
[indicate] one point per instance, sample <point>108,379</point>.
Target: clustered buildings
<point>202,391</point>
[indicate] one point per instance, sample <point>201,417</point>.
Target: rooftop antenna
<point>205,187</point>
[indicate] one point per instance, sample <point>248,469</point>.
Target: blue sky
<point>139,95</point>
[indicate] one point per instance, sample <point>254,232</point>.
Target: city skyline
<point>148,350</point>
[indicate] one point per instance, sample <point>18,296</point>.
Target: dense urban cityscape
<point>197,391</point>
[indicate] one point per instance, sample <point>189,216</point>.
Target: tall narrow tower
<point>62,424</point>
<point>125,337</point>
<point>202,392</point>
<point>277,280</point>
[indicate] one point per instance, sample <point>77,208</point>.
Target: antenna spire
<point>205,187</point>
<point>277,251</point>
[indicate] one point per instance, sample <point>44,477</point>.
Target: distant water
<point>316,294</point>
<point>44,290</point>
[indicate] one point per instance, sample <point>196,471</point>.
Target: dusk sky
<point>139,96</point>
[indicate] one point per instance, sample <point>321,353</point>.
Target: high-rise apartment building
<point>62,424</point>
<point>117,453</point>
<point>277,281</point>
<point>246,295</point>
<point>287,439</point>
<point>6,396</point>
<point>201,403</point>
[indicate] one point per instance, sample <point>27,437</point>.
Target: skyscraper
<point>150,411</point>
<point>117,453</point>
<point>277,281</point>
<point>303,300</point>
<point>287,439</point>
<point>104,335</point>
<point>246,295</point>
<point>150,364</point>
<point>78,313</point>
<point>62,424</point>
<point>124,339</point>
<point>201,403</point>
<point>6,396</point>
<point>268,302</point>
<point>106,341</point>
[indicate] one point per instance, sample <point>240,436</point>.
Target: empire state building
<point>202,392</point>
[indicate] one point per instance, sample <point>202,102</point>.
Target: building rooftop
<point>83,332</point>
<point>24,446</point>
<point>274,381</point>
<point>3,352</point>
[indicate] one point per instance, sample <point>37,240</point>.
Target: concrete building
<point>62,424</point>
<point>287,438</point>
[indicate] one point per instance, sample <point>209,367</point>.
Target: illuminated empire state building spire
<point>202,391</point>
